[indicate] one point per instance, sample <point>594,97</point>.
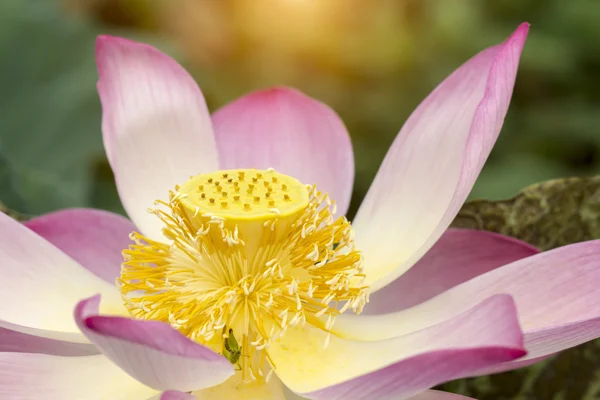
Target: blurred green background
<point>372,61</point>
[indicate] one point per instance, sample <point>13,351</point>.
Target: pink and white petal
<point>40,284</point>
<point>434,161</point>
<point>437,395</point>
<point>403,366</point>
<point>42,376</point>
<point>556,292</point>
<point>285,129</point>
<point>13,341</point>
<point>152,352</point>
<point>156,126</point>
<point>426,395</point>
<point>232,389</point>
<point>93,238</point>
<point>511,365</point>
<point>459,255</point>
<point>173,395</point>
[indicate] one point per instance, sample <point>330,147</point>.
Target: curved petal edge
<point>93,238</point>
<point>156,127</point>
<point>152,352</point>
<point>434,161</point>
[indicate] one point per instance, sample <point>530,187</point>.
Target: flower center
<point>248,254</point>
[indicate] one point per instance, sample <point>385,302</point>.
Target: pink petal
<point>42,376</point>
<point>13,341</point>
<point>284,129</point>
<point>93,238</point>
<point>40,284</point>
<point>434,161</point>
<point>459,255</point>
<point>437,395</point>
<point>402,380</point>
<point>508,366</point>
<point>157,129</point>
<point>556,292</point>
<point>152,352</point>
<point>403,366</point>
<point>549,340</point>
<point>173,395</point>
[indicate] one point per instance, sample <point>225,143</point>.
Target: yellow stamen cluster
<point>249,253</point>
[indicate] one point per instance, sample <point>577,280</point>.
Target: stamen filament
<point>269,260</point>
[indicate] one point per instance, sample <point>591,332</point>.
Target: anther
<point>235,241</point>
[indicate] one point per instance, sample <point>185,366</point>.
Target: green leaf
<point>547,215</point>
<point>9,193</point>
<point>49,109</point>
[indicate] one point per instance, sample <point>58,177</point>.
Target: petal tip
<point>104,44</point>
<point>275,94</point>
<point>520,34</point>
<point>108,47</point>
<point>86,307</point>
<point>103,41</point>
<point>517,353</point>
<point>524,27</point>
<point>510,304</point>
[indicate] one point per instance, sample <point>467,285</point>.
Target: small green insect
<point>231,349</point>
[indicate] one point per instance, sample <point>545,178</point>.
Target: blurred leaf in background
<point>373,62</point>
<point>11,198</point>
<point>50,138</point>
<point>548,215</point>
<point>48,108</point>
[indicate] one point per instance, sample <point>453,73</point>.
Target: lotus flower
<point>239,280</point>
